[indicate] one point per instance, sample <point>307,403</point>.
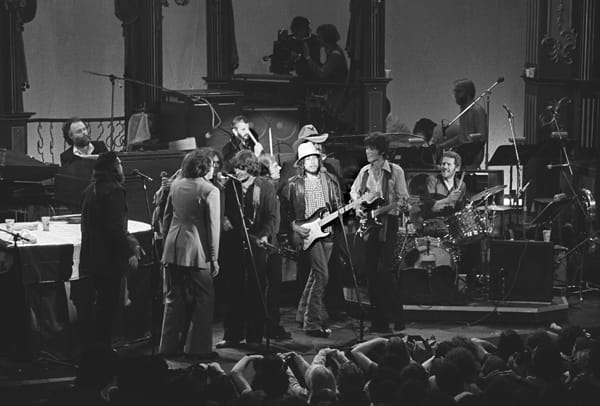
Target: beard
<point>82,142</point>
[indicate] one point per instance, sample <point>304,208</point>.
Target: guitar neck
<point>332,216</point>
<point>392,206</point>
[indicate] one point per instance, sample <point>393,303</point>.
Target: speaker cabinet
<point>428,287</point>
<point>521,270</point>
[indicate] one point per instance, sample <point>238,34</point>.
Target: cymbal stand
<point>586,214</point>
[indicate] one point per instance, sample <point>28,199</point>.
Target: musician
<point>382,177</point>
<point>335,67</point>
<point>243,137</point>
<point>107,252</point>
<point>305,193</point>
<point>445,192</point>
<point>76,134</point>
<point>191,250</point>
<point>245,317</point>
<point>270,169</point>
<point>473,122</point>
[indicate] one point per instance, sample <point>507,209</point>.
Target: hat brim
<point>305,156</point>
<point>315,139</point>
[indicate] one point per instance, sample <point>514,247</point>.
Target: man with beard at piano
<point>76,135</point>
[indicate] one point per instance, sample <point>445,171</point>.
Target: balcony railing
<point>49,141</point>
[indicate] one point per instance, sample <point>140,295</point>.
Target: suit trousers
<point>245,315</point>
<point>188,314</point>
<point>384,292</point>
<point>107,292</point>
<point>311,309</point>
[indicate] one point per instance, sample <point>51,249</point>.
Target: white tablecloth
<point>63,233</point>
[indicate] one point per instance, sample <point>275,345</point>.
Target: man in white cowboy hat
<point>310,190</point>
<point>309,133</point>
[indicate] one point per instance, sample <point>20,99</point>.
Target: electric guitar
<point>323,217</point>
<point>374,210</point>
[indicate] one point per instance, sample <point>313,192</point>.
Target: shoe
<point>280,334</point>
<point>321,333</point>
<point>227,344</point>
<point>339,316</point>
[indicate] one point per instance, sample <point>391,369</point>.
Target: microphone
<point>500,79</point>
<point>142,175</point>
<point>552,166</point>
<point>523,188</point>
<point>211,133</point>
<point>510,114</point>
<point>230,176</point>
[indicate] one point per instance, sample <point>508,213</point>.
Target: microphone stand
<point>248,247</point>
<point>487,92</point>
<point>586,215</point>
<point>361,310</point>
<point>511,124</point>
<point>21,333</point>
<point>155,254</point>
<point>114,78</point>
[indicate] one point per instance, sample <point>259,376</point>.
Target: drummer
<point>445,191</point>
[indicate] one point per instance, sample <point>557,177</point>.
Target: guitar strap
<point>255,200</point>
<point>385,181</point>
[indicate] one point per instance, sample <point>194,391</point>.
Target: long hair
<point>106,168</point>
<point>300,167</point>
<point>66,128</point>
<point>247,161</point>
<point>379,142</point>
<point>197,163</point>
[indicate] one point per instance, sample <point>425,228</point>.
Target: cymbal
<point>497,207</point>
<point>484,194</point>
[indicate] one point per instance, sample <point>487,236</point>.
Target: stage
<point>30,381</point>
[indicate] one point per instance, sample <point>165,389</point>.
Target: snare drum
<point>467,225</point>
<point>435,227</point>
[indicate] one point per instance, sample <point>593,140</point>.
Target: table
<point>42,301</point>
<point>53,248</point>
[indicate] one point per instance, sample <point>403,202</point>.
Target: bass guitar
<point>322,218</point>
<point>375,209</point>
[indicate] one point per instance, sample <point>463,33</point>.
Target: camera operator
<point>288,49</point>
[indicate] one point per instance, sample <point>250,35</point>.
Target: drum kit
<point>435,247</point>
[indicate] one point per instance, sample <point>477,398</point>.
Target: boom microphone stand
<point>248,247</point>
<point>487,92</point>
<point>361,310</point>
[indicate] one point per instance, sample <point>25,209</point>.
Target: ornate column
<point>13,73</point>
<point>142,32</point>
<point>366,49</point>
<point>221,49</point>
<point>562,84</point>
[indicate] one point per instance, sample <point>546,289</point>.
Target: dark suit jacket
<point>105,247</point>
<point>68,156</point>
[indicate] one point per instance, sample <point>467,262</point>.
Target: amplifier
<point>521,270</point>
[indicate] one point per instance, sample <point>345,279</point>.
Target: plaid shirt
<point>314,197</point>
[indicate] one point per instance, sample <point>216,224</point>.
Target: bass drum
<point>429,253</point>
